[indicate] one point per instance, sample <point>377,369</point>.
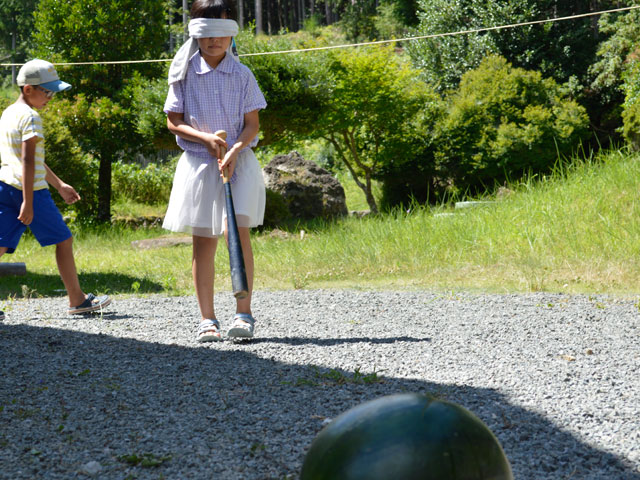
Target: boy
<point>24,179</point>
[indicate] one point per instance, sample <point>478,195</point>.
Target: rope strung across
<point>362,44</point>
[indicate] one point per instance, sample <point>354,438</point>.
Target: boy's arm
<point>67,192</point>
<point>28,176</point>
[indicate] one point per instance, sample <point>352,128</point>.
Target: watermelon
<point>406,437</point>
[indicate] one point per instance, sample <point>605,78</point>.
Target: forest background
<point>424,120</point>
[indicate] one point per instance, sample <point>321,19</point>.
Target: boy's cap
<point>43,73</point>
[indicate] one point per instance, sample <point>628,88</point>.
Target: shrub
<point>64,156</point>
<point>503,122</point>
<point>293,102</point>
<point>150,185</point>
<point>631,106</point>
<point>147,99</point>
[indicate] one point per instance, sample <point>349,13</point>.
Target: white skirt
<point>197,202</point>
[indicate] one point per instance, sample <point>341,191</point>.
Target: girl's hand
<point>213,144</point>
<point>229,161</point>
<point>68,193</point>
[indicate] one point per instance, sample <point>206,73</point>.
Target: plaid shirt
<point>215,99</point>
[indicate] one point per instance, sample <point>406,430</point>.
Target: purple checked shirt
<point>215,99</point>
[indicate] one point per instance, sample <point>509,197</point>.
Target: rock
<point>308,190</point>
<point>91,468</point>
<point>160,242</point>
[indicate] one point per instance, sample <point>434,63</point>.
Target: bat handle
<point>223,151</point>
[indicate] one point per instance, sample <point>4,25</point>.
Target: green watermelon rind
<point>406,437</point>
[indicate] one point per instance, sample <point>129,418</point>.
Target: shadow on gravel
<point>144,410</point>
<point>336,341</point>
<point>51,285</point>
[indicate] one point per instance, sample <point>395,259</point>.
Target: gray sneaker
<point>91,304</point>
<point>243,325</point>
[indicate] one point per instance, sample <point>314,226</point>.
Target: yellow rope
<point>351,45</point>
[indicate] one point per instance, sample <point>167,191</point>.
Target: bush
<point>504,122</point>
<point>293,102</point>
<point>147,99</point>
<point>64,156</point>
<point>631,106</point>
<point>150,185</point>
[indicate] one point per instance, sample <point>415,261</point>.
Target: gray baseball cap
<point>43,73</point>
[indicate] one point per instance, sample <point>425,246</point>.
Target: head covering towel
<point>201,28</point>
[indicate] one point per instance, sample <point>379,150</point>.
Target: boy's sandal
<point>209,331</point>
<point>1,316</point>
<point>91,304</point>
<point>243,325</point>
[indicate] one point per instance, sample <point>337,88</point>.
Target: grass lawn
<point>575,231</point>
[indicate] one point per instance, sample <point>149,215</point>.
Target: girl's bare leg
<point>203,270</point>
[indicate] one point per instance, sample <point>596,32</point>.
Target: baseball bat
<point>239,282</point>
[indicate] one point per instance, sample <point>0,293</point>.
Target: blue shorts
<point>47,226</point>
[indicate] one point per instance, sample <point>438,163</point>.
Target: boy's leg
<point>203,269</point>
<point>3,250</point>
<point>11,229</point>
<point>68,273</point>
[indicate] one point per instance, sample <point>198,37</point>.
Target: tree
<point>287,81</point>
<point>504,122</point>
<point>617,72</point>
<point>16,26</point>
<point>560,50</point>
<point>100,31</point>
<point>614,53</point>
<point>373,101</point>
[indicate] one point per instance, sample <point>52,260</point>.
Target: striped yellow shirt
<point>18,124</point>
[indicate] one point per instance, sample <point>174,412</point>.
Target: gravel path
<point>130,394</point>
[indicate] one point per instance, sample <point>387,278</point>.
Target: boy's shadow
<point>148,410</point>
<point>50,285</point>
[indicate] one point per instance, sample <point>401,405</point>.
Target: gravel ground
<point>130,394</point>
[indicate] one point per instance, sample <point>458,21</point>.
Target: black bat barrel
<point>236,258</point>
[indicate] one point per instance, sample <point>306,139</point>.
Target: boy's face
<point>214,48</point>
<point>36,96</point>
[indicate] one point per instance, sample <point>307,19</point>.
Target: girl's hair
<point>213,9</point>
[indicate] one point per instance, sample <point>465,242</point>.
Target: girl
<point>210,90</point>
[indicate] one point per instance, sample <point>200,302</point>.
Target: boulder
<point>308,190</point>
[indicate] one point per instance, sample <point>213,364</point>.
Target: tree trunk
<point>259,28</point>
<point>302,16</point>
<point>241,13</point>
<point>280,17</point>
<point>365,187</point>
<point>104,189</point>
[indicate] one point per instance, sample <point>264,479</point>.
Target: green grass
<point>125,208</point>
<point>575,231</point>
